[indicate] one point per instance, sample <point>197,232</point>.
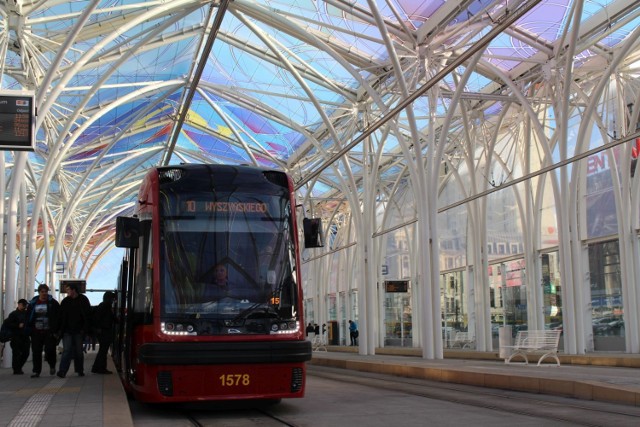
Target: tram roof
<point>125,85</point>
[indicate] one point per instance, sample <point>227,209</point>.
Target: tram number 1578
<point>230,380</point>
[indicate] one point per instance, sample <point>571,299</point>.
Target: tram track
<point>193,420</point>
<point>278,419</point>
<point>251,415</point>
<point>261,419</point>
<point>554,408</point>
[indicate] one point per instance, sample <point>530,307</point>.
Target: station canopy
<point>299,85</point>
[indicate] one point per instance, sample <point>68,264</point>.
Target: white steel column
<point>21,285</point>
<point>428,242</point>
<point>621,189</point>
<point>17,176</point>
<point>370,262</point>
<point>624,197</point>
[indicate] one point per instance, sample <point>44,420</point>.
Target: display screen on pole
<point>396,285</point>
<point>17,121</point>
<point>80,283</point>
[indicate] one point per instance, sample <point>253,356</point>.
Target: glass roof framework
<point>292,84</point>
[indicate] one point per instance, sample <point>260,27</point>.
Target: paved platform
<point>602,377</point>
<point>92,400</point>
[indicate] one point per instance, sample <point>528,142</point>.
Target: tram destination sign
<point>396,285</point>
<point>17,121</point>
<point>206,206</point>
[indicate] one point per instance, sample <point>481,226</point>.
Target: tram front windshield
<point>228,262</point>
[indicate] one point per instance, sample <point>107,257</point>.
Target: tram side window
<point>288,295</point>
<point>142,290</point>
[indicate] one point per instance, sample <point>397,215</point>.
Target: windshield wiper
<point>252,312</point>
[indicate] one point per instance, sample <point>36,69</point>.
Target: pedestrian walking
<point>75,323</point>
<point>43,327</point>
<point>17,322</point>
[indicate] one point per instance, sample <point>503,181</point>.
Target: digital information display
<point>81,283</point>
<point>17,121</point>
<point>198,206</point>
<point>396,286</point>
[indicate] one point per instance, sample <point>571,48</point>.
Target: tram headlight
<point>171,328</point>
<point>288,327</point>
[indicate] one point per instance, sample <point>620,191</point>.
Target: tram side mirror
<point>127,232</point>
<point>312,228</point>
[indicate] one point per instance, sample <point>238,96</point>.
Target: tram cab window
<point>256,249</point>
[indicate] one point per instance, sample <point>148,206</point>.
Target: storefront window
<point>453,305</point>
<point>308,310</point>
<point>508,295</point>
<point>344,328</point>
<point>606,297</point>
<point>398,319</point>
<point>551,291</point>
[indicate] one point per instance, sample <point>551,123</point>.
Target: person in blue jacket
<point>353,332</point>
<point>43,324</point>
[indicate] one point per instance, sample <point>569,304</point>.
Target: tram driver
<point>222,288</point>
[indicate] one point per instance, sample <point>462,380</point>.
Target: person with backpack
<point>17,322</point>
<point>43,324</point>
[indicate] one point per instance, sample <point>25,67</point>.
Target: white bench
<point>463,340</point>
<point>528,342</point>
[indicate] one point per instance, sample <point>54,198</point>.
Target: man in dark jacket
<point>17,321</point>
<point>103,319</point>
<point>43,325</point>
<point>75,322</point>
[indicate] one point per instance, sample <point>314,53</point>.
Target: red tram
<point>210,297</point>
